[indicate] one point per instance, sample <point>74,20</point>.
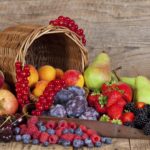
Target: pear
<point>142,89</point>
<point>129,80</point>
<point>98,72</point>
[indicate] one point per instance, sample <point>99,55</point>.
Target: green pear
<point>98,72</point>
<point>129,80</point>
<point>142,89</point>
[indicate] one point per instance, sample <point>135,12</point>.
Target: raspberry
<point>84,136</point>
<point>91,132</point>
<point>68,137</point>
<point>44,137</point>
<point>23,130</point>
<point>62,124</point>
<point>50,124</point>
<point>32,129</point>
<point>53,139</point>
<point>95,138</point>
<point>77,137</point>
<point>83,128</point>
<point>22,126</point>
<point>36,135</point>
<point>32,120</point>
<point>58,132</point>
<point>72,125</point>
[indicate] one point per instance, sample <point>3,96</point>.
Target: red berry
<point>90,132</point>
<point>36,135</point>
<point>44,137</point>
<point>72,125</point>
<point>31,129</point>
<point>32,120</point>
<point>84,136</point>
<point>83,128</point>
<point>61,18</point>
<point>51,124</point>
<point>56,22</point>
<point>53,139</point>
<point>77,137</point>
<point>51,22</point>
<point>80,32</point>
<point>68,137</point>
<point>95,138</point>
<point>59,132</point>
<point>62,124</point>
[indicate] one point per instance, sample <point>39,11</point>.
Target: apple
<point>8,102</point>
<point>73,78</point>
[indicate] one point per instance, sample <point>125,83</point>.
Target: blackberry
<point>146,129</point>
<point>129,124</point>
<point>148,110</point>
<point>130,107</point>
<point>140,120</point>
<point>141,110</point>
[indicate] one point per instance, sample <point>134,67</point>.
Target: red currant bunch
<point>46,100</point>
<point>69,23</point>
<point>22,88</point>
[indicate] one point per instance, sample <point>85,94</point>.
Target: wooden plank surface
<point>118,144</point>
<point>120,27</point>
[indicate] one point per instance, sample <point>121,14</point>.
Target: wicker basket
<point>40,45</point>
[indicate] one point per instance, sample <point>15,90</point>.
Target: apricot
<point>47,73</point>
<point>34,76</point>
<point>73,78</point>
<point>39,88</point>
<point>59,73</point>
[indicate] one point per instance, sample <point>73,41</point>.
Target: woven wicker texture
<point>40,45</point>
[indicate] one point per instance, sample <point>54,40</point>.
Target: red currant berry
<point>33,112</point>
<point>51,22</point>
<point>38,113</point>
<point>41,108</point>
<point>80,32</point>
<point>46,107</point>
<point>61,17</point>
<point>18,65</point>
<point>67,19</point>
<point>37,104</point>
<point>56,22</point>
<point>84,41</point>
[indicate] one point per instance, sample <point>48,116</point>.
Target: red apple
<point>8,103</point>
<point>73,78</point>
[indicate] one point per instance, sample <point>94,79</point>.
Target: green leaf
<point>104,118</point>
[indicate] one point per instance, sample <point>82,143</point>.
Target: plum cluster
<point>71,102</point>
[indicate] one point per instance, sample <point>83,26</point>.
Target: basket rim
<point>50,29</point>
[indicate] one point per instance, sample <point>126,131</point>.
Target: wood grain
<point>120,27</point>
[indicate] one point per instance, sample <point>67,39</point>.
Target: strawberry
<point>115,111</point>
<point>121,102</point>
<point>72,125</point>
<point>128,117</point>
<point>113,97</point>
<point>140,104</point>
<point>127,92</point>
<point>100,104</point>
<point>92,98</point>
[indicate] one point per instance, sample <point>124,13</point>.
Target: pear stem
<point>115,72</point>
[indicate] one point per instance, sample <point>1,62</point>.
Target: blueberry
<point>18,138</point>
<point>39,123</point>
<point>108,141</point>
<point>71,130</point>
<point>17,130</point>
<point>26,136</point>
<point>66,143</point>
<point>98,144</point>
<point>45,113</point>
<point>26,141</point>
<point>90,145</point>
<point>35,141</point>
<point>60,141</point>
<point>46,143</point>
<point>51,131</point>
<point>87,141</point>
<point>103,139</point>
<point>42,128</point>
<point>77,143</point>
<point>65,131</point>
<point>78,131</point>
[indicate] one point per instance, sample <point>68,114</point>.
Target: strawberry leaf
<point>104,118</point>
<point>116,121</point>
<point>102,100</point>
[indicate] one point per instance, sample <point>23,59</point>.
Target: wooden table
<point>118,144</point>
<point>120,27</point>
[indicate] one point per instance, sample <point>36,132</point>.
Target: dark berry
<point>146,129</point>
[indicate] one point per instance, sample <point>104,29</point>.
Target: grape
<point>75,108</point>
<point>58,111</point>
<point>63,96</point>
<point>77,90</point>
<point>81,98</point>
